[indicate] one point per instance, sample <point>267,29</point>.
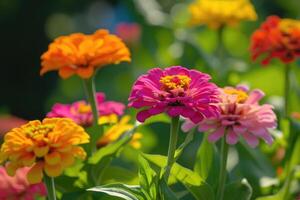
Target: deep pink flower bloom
<point>17,187</point>
<point>241,116</point>
<point>176,91</point>
<point>81,112</point>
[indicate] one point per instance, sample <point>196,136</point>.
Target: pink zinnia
<point>81,113</point>
<point>176,91</point>
<point>17,187</point>
<point>241,115</point>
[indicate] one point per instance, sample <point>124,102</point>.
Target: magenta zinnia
<point>241,116</point>
<point>81,111</point>
<point>176,91</point>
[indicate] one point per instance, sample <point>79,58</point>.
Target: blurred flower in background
<point>18,188</point>
<point>82,54</point>
<point>49,145</point>
<point>241,116</point>
<point>216,14</point>
<point>81,112</point>
<point>8,122</point>
<point>276,38</point>
<point>130,33</point>
<point>117,130</point>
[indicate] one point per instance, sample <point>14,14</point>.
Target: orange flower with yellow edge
<point>82,54</point>
<point>117,130</point>
<point>217,13</point>
<point>47,146</point>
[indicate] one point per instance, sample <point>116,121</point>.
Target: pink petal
<point>231,137</point>
<point>255,96</point>
<point>187,125</point>
<point>216,135</point>
<point>251,139</point>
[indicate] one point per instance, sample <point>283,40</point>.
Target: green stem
<point>287,70</point>
<point>49,182</point>
<point>172,146</point>
<point>89,87</point>
<point>222,177</point>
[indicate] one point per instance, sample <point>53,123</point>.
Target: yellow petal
<point>68,159</point>
<point>35,174</point>
<point>28,159</point>
<point>11,168</point>
<point>53,158</point>
<point>79,152</point>
<point>41,151</point>
<point>53,170</point>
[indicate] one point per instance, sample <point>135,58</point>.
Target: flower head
<point>176,91</point>
<point>82,54</point>
<point>49,145</point>
<point>219,13</point>
<point>81,111</point>
<point>241,116</point>
<point>276,38</point>
<point>129,32</point>
<point>117,130</point>
<point>17,187</point>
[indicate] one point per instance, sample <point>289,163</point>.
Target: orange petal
<point>41,151</point>
<point>68,159</point>
<point>66,72</point>
<point>53,158</point>
<point>35,174</point>
<point>53,170</point>
<point>28,159</point>
<point>85,72</point>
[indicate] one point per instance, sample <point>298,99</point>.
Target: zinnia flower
<point>176,91</point>
<point>129,32</point>
<point>276,38</point>
<point>17,187</point>
<point>81,111</point>
<point>219,13</point>
<point>82,54</point>
<point>241,116</point>
<point>117,130</point>
<point>49,146</point>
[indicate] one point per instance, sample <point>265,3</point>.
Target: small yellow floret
<point>241,96</point>
<point>175,82</point>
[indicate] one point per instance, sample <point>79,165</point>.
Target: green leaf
<point>128,192</point>
<point>189,137</point>
<point>162,118</point>
<point>240,190</point>
<point>148,179</point>
<point>165,192</point>
<point>109,150</point>
<point>119,174</point>
<point>285,127</point>
<point>191,180</point>
<point>181,173</point>
<point>204,158</point>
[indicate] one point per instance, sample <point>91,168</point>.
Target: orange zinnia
<point>49,146</point>
<point>276,38</point>
<point>81,54</point>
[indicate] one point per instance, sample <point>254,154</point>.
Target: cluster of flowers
<point>229,112</point>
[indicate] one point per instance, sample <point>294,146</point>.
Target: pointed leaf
<point>127,192</point>
<point>240,190</point>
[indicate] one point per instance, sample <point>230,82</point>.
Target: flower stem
<point>287,70</point>
<point>89,87</point>
<point>222,176</point>
<point>49,182</point>
<point>172,146</point>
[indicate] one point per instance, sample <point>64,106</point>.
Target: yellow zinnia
<point>47,146</point>
<point>117,130</point>
<point>217,13</point>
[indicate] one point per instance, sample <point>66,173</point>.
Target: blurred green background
<point>27,27</point>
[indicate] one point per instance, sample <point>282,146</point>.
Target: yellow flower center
<point>240,94</point>
<point>37,131</point>
<point>286,25</point>
<point>175,82</point>
<point>84,108</point>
